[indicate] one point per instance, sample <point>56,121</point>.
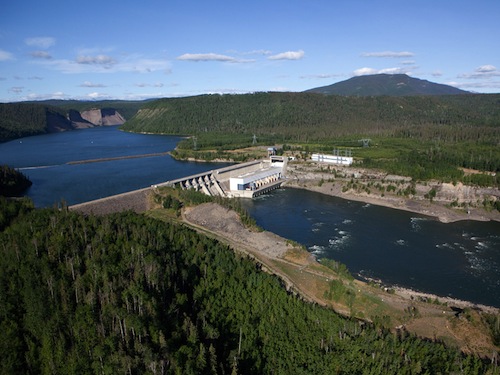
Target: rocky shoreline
<point>272,250</point>
<point>310,177</point>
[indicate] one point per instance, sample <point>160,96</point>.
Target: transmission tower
<point>365,142</point>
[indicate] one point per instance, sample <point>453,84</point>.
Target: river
<point>460,260</point>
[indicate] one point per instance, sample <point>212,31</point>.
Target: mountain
<point>387,84</point>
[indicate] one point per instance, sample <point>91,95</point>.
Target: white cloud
<point>289,55</point>
<point>486,69</point>
<point>197,57</point>
<point>4,55</point>
<point>97,95</point>
<point>158,84</point>
<point>90,84</point>
<point>485,77</point>
<point>280,89</point>
<point>140,65</point>
<point>437,73</point>
<point>482,72</point>
<point>96,60</point>
<point>41,55</point>
<point>390,54</point>
<point>106,64</point>
<point>364,71</point>
<point>476,85</point>
<point>40,42</point>
<point>35,96</point>
<point>367,71</point>
<point>319,76</point>
<point>264,52</point>
<point>204,57</point>
<point>16,90</point>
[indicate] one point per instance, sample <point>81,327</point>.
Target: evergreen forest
<point>12,182</point>
<point>423,137</point>
<point>309,117</point>
<point>129,294</point>
<point>24,119</point>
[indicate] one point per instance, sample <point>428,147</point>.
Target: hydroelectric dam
<point>246,180</point>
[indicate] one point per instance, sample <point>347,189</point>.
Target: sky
<point>134,50</point>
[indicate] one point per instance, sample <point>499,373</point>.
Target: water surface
<point>44,159</point>
<point>459,260</point>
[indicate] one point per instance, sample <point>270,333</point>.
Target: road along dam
<point>246,180</point>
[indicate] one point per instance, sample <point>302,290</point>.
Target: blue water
<point>43,160</point>
<point>459,260</point>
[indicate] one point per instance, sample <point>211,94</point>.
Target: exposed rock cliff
<point>103,117</point>
<point>56,122</point>
<point>78,121</point>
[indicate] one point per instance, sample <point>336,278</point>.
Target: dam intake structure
<point>246,180</point>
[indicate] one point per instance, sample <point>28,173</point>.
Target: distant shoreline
<point>318,182</point>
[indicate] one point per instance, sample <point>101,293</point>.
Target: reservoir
<point>460,260</point>
<point>83,165</point>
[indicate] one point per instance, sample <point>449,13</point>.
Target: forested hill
<point>307,116</point>
<point>25,119</point>
<point>387,84</point>
<point>127,294</point>
<point>31,118</point>
<point>127,108</point>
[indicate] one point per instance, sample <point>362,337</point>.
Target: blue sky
<point>125,49</point>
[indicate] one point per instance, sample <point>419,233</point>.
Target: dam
<point>245,180</point>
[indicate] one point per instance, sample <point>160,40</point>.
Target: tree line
<point>25,119</point>
<point>22,120</point>
<point>125,293</point>
<point>304,117</point>
<point>12,182</point>
<point>419,136</point>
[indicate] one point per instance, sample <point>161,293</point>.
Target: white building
<point>254,180</point>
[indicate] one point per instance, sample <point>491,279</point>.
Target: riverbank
<point>377,188</point>
<point>423,314</point>
<point>458,323</point>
